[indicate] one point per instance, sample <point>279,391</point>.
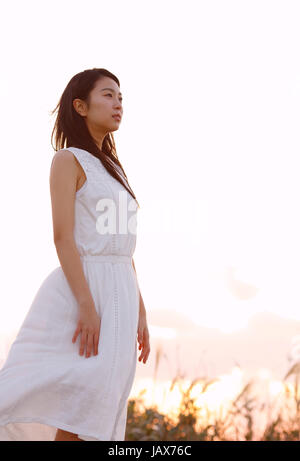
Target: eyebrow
<point>111,90</point>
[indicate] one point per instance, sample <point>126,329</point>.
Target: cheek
<point>104,108</point>
<point>100,110</point>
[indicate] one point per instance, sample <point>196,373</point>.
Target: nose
<point>118,104</point>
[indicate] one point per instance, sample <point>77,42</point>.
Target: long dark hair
<point>70,128</point>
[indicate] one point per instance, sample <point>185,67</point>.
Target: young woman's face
<point>105,103</point>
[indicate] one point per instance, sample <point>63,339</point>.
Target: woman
<point>70,370</point>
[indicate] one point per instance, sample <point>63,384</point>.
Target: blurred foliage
<point>236,423</point>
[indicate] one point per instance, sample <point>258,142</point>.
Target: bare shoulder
<point>63,169</point>
<point>67,160</point>
<point>64,158</point>
<point>63,178</point>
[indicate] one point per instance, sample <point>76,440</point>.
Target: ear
<point>79,106</point>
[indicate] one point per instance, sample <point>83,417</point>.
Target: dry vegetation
<point>281,421</point>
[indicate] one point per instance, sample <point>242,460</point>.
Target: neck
<point>97,134</point>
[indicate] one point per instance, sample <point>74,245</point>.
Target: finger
<point>96,340</point>
<point>140,335</point>
<point>142,354</point>
<point>145,357</point>
<point>75,335</point>
<point>82,342</point>
<point>89,345</point>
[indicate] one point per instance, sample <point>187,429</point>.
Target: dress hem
<point>53,423</point>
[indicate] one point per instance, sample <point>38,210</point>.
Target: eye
<point>109,94</point>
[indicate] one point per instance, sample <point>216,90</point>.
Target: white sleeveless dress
<point>44,383</point>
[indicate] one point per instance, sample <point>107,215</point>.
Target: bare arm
<point>143,332</point>
<point>142,306</point>
<point>63,179</point>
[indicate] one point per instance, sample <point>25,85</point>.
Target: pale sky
<point>209,140</point>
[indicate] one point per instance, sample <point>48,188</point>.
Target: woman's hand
<point>143,337</point>
<point>89,327</point>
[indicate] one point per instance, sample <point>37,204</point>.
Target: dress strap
<point>81,157</point>
<point>91,165</point>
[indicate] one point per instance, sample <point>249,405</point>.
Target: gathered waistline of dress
<point>107,258</point>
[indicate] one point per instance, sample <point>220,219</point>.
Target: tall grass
<point>245,418</point>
